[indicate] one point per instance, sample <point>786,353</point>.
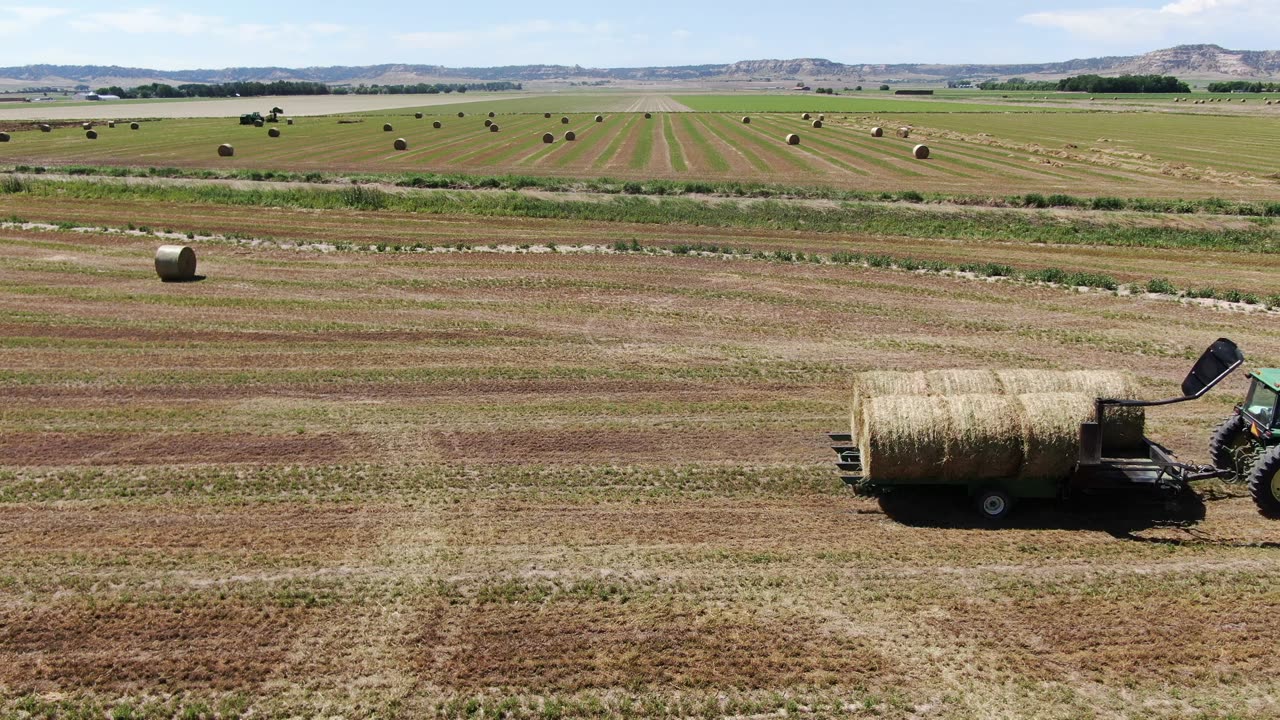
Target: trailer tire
<point>1225,446</point>
<point>1264,483</point>
<point>994,504</point>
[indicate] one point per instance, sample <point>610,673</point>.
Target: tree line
<point>1243,86</point>
<point>292,87</point>
<point>1095,84</point>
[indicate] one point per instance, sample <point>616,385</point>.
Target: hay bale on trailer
<point>920,152</point>
<point>134,126</point>
<point>225,150</point>
<point>401,144</point>
<point>793,139</point>
<point>91,134</point>
<point>548,138</point>
<point>273,132</point>
<point>437,125</point>
<point>599,118</point>
<point>175,263</point>
<point>904,132</point>
<point>386,127</point>
<point>570,136</point>
<point>746,120</point>
<point>877,132</point>
<point>817,124</point>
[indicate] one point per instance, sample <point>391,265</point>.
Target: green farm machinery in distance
<point>1244,449</point>
<point>257,118</point>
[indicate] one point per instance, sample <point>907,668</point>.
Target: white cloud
<point>1127,24</point>
<point>528,30</point>
<point>151,21</point>
<point>18,19</point>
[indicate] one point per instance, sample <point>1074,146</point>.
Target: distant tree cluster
<point>825,91</point>
<point>1124,84</point>
<point>1243,86</point>
<point>291,87</point>
<point>1018,83</point>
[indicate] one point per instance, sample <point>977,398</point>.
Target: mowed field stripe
<point>675,153</point>
<point>702,157</point>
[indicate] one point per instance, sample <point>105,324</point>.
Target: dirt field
<point>556,484</point>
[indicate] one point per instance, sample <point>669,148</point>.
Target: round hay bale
<point>417,116</point>
<point>4,137</point>
<point>111,123</point>
<point>134,126</point>
<point>273,132</point>
<point>91,134</point>
<point>817,124</point>
<point>793,139</point>
<point>44,127</point>
<point>570,136</point>
<point>599,118</point>
<point>462,114</point>
<point>1051,433</point>
<point>289,121</point>
<point>493,127</point>
<point>806,116</point>
<point>904,132</point>
<point>491,114</point>
<point>225,150</point>
<point>401,144</point>
<point>647,116</point>
<point>488,123</point>
<point>437,125</point>
<point>548,138</point>
<point>258,123</point>
<point>564,121</point>
<point>822,117</point>
<point>546,115</point>
<point>175,263</point>
<point>746,120</point>
<point>877,132</point>
<point>386,127</point>
<point>920,152</point>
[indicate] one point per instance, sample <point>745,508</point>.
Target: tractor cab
<point>1259,407</point>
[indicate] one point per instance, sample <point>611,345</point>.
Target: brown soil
<point>67,448</point>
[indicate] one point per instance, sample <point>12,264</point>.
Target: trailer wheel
<point>994,504</point>
<point>1229,448</point>
<point>1264,483</point>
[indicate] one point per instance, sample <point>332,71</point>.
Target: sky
<point>174,36</point>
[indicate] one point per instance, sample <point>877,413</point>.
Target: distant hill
<point>1202,62</point>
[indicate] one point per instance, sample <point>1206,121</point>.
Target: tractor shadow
<point>1120,515</point>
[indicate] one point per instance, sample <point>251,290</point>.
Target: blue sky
<point>167,35</point>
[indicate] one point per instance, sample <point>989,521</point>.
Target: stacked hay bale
<point>985,425</point>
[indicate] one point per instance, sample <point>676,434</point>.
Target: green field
<point>866,102</point>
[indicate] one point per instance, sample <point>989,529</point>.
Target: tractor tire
<point>1225,446</point>
<point>994,504</point>
<point>1264,483</point>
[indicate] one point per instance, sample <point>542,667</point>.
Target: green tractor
<point>1246,446</point>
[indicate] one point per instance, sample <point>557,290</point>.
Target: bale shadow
<point>1119,514</point>
<point>192,279</point>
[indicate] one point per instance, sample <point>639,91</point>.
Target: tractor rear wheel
<point>1228,448</point>
<point>994,504</point>
<point>1264,483</point>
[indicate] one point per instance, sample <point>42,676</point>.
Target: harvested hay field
<point>386,463</point>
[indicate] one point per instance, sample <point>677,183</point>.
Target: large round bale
<point>1051,433</point>
<point>462,114</point>
<point>417,116</point>
<point>599,118</point>
<point>488,123</point>
<point>91,134</point>
<point>4,137</point>
<point>746,120</point>
<point>225,150</point>
<point>273,132</point>
<point>546,115</point>
<point>493,127</point>
<point>806,116</point>
<point>491,114</point>
<point>288,121</point>
<point>570,136</point>
<point>920,152</point>
<point>877,132</point>
<point>401,144</point>
<point>564,121</point>
<point>386,127</point>
<point>175,263</point>
<point>822,117</point>
<point>817,124</point>
<point>134,126</point>
<point>648,116</point>
<point>111,123</point>
<point>437,125</point>
<point>904,132</point>
<point>45,127</point>
<point>793,139</point>
<point>548,138</point>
